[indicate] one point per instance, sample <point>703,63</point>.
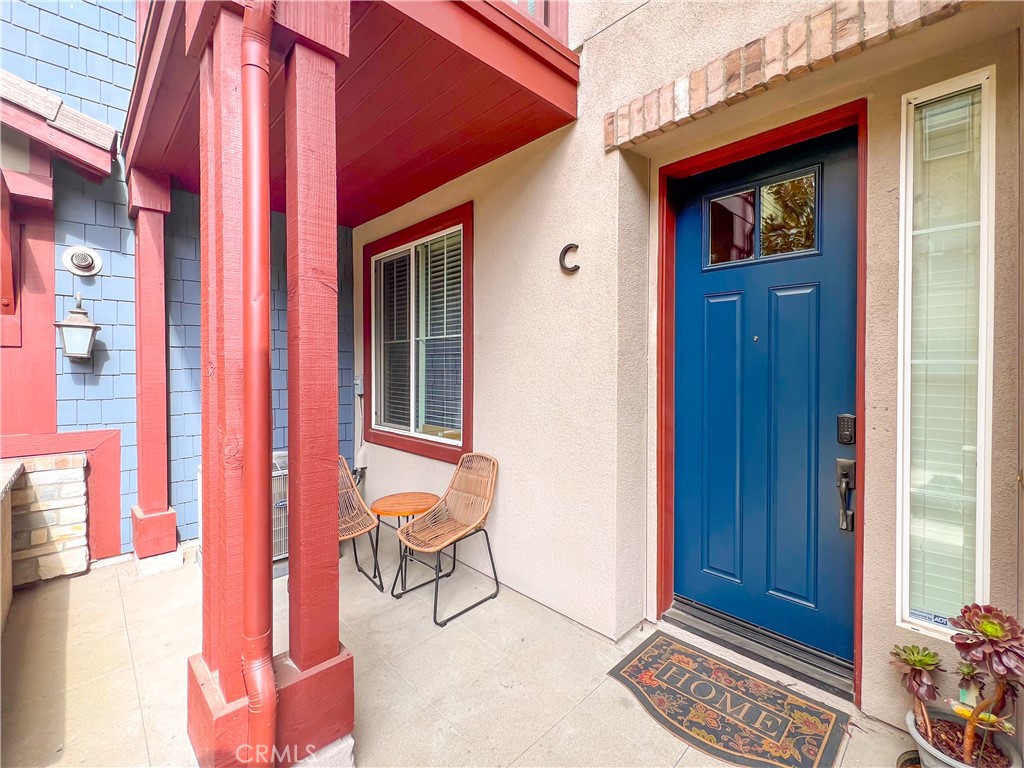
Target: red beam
<point>153,55</point>
<point>29,188</point>
<point>312,363</point>
<point>530,56</point>
<point>322,25</point>
<point>81,153</point>
<point>148,190</point>
<point>153,521</point>
<point>102,448</point>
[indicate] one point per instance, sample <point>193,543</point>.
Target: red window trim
<point>460,215</point>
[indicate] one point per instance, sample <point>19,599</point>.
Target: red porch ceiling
<point>429,92</point>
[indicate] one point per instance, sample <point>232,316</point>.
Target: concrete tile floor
<point>93,674</point>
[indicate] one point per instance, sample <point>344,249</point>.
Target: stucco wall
<point>561,378</point>
<point>883,75</point>
<point>566,365</point>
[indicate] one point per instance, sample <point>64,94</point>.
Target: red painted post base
<point>154,533</point>
<point>216,729</point>
<point>316,707</point>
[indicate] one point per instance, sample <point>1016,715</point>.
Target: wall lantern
<point>77,332</point>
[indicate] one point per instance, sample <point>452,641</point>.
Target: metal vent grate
<point>279,497</point>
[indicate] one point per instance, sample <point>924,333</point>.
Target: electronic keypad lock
<point>846,473</point>
<point>846,429</point>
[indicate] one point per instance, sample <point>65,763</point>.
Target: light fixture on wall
<point>82,261</point>
<point>77,332</point>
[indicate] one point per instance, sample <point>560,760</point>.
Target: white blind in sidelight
<point>945,330</point>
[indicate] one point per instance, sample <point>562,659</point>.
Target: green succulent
<point>916,657</point>
<point>916,665</point>
<point>970,675</point>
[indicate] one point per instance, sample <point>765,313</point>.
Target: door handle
<point>846,472</point>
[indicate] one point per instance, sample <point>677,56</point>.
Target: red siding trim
<point>102,479</point>
<point>31,368</point>
<point>463,215</point>
<point>87,156</point>
<point>853,113</point>
<point>9,245</point>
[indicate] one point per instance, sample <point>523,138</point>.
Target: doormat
<point>726,712</point>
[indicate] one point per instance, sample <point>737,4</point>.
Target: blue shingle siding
<point>183,360</point>
<point>279,333</point>
<point>99,394</point>
<point>63,46</point>
<point>81,51</point>
<point>84,52</point>
<point>181,256</point>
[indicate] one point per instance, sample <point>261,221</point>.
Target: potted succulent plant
<point>975,729</point>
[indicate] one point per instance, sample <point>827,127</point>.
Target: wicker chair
<point>354,519</point>
<point>461,513</point>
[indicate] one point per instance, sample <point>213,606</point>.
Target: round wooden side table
<point>403,506</point>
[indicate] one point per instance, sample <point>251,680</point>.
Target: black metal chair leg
<point>398,574</point>
<point>377,579</point>
<point>438,575</point>
<point>494,572</point>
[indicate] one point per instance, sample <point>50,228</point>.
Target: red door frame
<point>853,113</point>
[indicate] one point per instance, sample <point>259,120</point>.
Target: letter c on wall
<point>561,259</point>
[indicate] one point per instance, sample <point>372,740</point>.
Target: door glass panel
<point>788,216</point>
<point>731,228</point>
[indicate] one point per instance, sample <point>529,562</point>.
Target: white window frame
<point>986,79</point>
<point>377,377</point>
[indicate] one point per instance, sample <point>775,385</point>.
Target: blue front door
<point>766,270</point>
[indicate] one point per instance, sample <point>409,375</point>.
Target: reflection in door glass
<point>787,216</point>
<point>732,227</point>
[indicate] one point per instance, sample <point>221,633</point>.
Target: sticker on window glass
<point>787,216</point>
<point>731,228</point>
<point>929,618</point>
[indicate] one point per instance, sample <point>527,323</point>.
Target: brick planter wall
<point>49,510</point>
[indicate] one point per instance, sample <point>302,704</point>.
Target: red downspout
<point>257,670</point>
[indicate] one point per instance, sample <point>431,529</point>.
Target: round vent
<point>82,261</point>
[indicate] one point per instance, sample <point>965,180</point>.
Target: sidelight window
<point>945,348</point>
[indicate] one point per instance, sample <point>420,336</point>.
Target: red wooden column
<point>154,523</point>
<point>216,694</point>
<point>312,226</point>
<point>315,692</point>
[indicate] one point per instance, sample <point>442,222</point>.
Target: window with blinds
<point>418,338</point>
<point>946,371</point>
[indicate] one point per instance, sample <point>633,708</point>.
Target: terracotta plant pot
<point>933,758</point>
